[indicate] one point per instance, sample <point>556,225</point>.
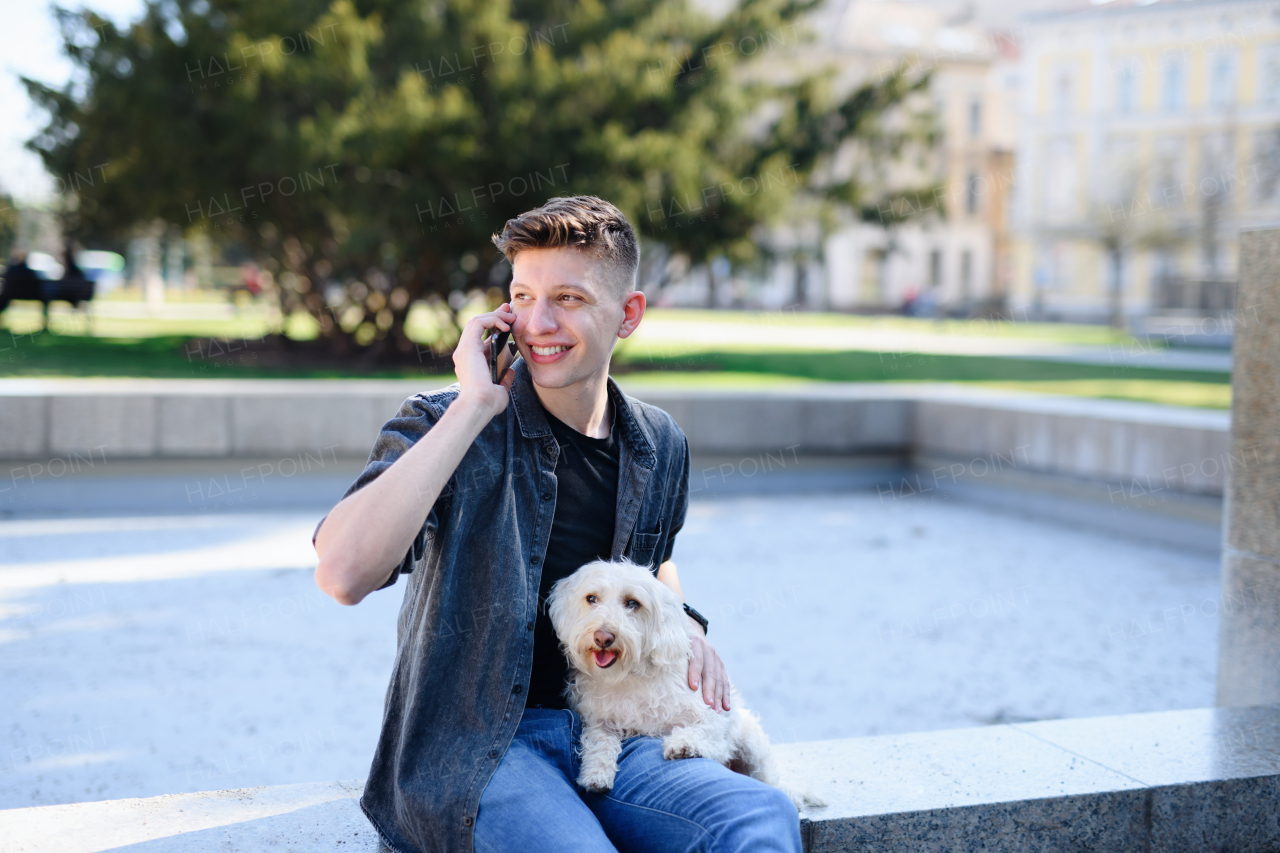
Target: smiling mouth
<point>604,657</point>
<point>548,350</point>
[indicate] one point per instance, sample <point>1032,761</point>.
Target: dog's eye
<point>632,604</point>
<point>591,599</point>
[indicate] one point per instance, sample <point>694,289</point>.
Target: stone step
<point>1170,781</point>
<point>1178,780</point>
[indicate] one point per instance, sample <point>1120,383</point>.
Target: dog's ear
<point>558,601</point>
<point>668,642</point>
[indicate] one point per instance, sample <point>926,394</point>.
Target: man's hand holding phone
<point>368,532</point>
<point>473,364</point>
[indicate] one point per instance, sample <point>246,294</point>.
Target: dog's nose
<point>604,639</point>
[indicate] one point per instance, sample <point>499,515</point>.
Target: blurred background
<point>880,239</point>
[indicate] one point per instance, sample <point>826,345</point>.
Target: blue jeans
<point>532,804</point>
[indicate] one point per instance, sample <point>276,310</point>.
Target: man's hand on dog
<point>706,669</point>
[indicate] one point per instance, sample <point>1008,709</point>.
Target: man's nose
<point>604,639</point>
<point>537,320</point>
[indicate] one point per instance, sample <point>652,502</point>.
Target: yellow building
<point>1149,136</point>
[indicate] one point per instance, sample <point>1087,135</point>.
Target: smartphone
<point>498,342</point>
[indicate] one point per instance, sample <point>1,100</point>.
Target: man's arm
<point>667,574</point>
<point>367,534</point>
<point>705,665</point>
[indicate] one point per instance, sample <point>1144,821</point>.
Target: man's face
<point>567,317</point>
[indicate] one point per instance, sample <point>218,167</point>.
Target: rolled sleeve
<point>416,417</point>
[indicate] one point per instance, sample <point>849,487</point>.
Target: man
<point>485,494</point>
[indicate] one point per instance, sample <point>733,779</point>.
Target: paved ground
<point>165,654</point>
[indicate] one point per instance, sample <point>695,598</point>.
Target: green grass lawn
<point>170,348</point>
<point>163,357</point>
<point>180,357</point>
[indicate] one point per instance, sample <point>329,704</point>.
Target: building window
<point>935,269</point>
<point>1127,87</point>
<point>966,274</point>
<point>971,188</point>
<point>1120,169</point>
<point>1266,156</point>
<point>1218,177</point>
<point>1060,179</point>
<point>975,117</point>
<point>1064,90</point>
<point>1174,83</point>
<point>1222,78</point>
<point>874,262</point>
<point>1269,75</point>
<point>1170,171</point>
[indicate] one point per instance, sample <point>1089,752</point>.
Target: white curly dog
<point>626,636</point>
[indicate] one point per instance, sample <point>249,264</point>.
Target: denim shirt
<point>465,630</point>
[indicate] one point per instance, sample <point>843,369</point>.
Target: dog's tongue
<point>604,657</point>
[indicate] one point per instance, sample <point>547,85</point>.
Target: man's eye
<point>591,599</point>
<point>632,604</point>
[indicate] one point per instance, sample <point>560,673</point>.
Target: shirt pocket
<point>642,547</point>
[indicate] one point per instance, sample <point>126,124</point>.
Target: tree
<point>365,150</point>
<point>1126,219</point>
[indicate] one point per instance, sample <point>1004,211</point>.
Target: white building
<point>954,262</point>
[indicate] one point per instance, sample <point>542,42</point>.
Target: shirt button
<point>466,820</point>
<point>493,753</point>
<point>536,559</point>
<point>517,688</point>
<point>546,496</point>
<point>528,626</point>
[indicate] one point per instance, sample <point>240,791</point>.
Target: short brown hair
<point>583,222</point>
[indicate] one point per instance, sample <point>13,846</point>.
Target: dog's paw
<point>597,780</point>
<point>677,745</point>
<point>673,752</point>
<point>803,799</point>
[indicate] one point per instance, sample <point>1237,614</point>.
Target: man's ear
<point>632,310</point>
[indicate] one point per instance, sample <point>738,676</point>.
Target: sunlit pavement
<point>157,654</point>
<point>153,655</point>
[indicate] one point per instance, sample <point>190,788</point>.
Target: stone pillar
<point>1249,609</point>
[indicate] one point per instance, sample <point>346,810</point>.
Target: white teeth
<point>547,350</point>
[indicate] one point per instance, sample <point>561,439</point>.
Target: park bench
<point>21,282</point>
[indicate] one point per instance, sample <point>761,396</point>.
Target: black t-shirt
<point>581,531</point>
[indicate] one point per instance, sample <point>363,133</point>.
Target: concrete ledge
<point>1134,446</point>
<point>1177,780</point>
<point>142,418</point>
